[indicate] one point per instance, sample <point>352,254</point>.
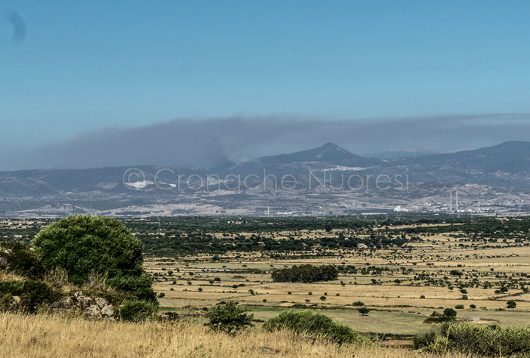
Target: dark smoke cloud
<point>211,142</point>
<point>18,24</point>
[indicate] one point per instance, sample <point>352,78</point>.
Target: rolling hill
<point>504,168</point>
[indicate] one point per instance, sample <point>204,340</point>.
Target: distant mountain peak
<point>328,153</point>
<point>332,147</point>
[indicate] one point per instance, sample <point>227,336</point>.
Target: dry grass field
<point>399,296</point>
<point>418,270</point>
<point>49,336</point>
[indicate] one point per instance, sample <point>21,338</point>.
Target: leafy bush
<point>478,340</point>
<point>358,303</point>
<point>85,246</point>
<point>511,304</point>
<point>450,312</point>
<point>306,273</point>
<point>364,311</point>
<point>314,325</point>
<point>137,310</point>
<point>32,294</point>
<point>20,260</point>
<point>228,317</point>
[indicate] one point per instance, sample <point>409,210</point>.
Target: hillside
<point>508,157</point>
<point>328,153</point>
<point>490,178</point>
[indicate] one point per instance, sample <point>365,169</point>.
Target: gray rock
<point>77,294</point>
<point>84,301</point>
<point>55,305</point>
<point>107,311</point>
<point>92,312</point>
<point>68,302</point>
<point>91,308</point>
<point>101,302</point>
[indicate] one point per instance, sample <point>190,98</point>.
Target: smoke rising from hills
<point>210,142</point>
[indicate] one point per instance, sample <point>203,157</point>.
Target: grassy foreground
<point>54,336</point>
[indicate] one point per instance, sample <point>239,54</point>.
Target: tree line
<point>305,273</point>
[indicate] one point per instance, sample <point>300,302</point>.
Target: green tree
<point>91,245</point>
<point>511,304</point>
<point>363,310</point>
<point>450,312</point>
<point>305,273</point>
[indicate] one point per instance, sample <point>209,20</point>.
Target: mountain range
<point>325,177</point>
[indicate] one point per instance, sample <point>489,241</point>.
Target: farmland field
<point>401,269</point>
<point>436,267</point>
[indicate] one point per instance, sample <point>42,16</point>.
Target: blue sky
<point>86,65</point>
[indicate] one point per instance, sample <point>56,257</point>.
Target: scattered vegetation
<point>238,257</point>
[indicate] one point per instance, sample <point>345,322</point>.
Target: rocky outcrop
<point>89,307</point>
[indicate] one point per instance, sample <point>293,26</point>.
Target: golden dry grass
<point>6,276</point>
<point>409,300</point>
<point>53,336</point>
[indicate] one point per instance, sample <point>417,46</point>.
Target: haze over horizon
<point>97,84</point>
<point>210,142</point>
